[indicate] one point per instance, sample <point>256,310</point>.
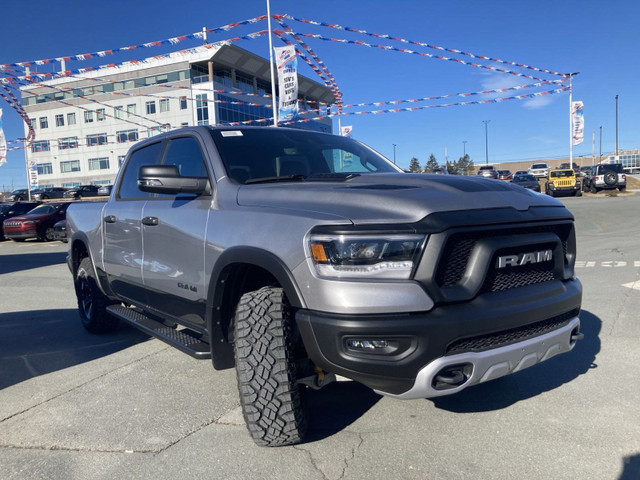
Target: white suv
<point>539,170</point>
<point>605,177</point>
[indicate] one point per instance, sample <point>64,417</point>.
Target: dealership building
<point>85,123</point>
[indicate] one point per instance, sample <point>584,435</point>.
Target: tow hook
<point>577,336</point>
<point>318,380</point>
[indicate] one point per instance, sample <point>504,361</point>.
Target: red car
<point>505,175</point>
<point>38,223</point>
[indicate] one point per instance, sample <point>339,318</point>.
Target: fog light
<point>366,344</point>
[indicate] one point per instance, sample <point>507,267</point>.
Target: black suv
<point>605,177</point>
<point>82,191</point>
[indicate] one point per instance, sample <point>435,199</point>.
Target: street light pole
<point>486,141</point>
<point>616,126</point>
<point>600,156</point>
<point>394,153</point>
<point>464,148</point>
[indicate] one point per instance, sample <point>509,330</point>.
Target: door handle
<point>151,221</point>
<point>110,219</point>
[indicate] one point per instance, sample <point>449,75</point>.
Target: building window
<point>40,146</point>
<point>202,109</point>
<point>70,166</point>
<point>131,109</point>
<point>71,118</point>
<point>67,143</point>
<point>101,163</point>
<point>151,107</point>
<point>100,114</point>
<point>44,122</point>
<point>124,136</point>
<point>71,185</point>
<point>60,120</point>
<point>96,139</point>
<point>164,105</point>
<point>118,112</point>
<point>151,131</point>
<point>183,103</point>
<point>45,169</point>
<point>88,116</point>
<point>121,160</point>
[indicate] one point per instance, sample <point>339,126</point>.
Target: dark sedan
<point>48,193</point>
<point>82,191</point>
<point>38,223</point>
<point>13,209</point>
<point>527,181</point>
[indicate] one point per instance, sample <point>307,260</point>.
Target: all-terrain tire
<point>592,188</point>
<point>610,177</point>
<point>92,303</point>
<point>267,352</point>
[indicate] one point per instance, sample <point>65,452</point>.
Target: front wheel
<point>92,303</point>
<point>46,235</point>
<point>269,354</point>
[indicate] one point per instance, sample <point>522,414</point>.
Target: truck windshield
<point>562,173</point>
<point>254,154</point>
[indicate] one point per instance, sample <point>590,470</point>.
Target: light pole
<point>394,153</point>
<point>464,148</point>
<point>600,156</point>
<point>616,127</point>
<point>486,141</point>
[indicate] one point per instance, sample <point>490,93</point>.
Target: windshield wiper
<point>334,176</point>
<point>282,178</point>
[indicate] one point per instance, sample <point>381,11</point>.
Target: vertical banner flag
<point>33,174</point>
<point>287,64</point>
<point>346,131</point>
<point>577,119</point>
<point>3,143</point>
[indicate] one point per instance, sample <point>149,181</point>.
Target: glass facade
<point>627,161</point>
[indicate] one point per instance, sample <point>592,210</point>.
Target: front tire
<point>92,303</point>
<point>269,355</point>
<point>46,235</point>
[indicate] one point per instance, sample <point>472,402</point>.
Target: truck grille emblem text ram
<point>525,259</point>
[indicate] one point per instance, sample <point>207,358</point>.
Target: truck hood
<point>385,198</point>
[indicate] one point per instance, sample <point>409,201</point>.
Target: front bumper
<point>21,234</point>
<point>493,328</point>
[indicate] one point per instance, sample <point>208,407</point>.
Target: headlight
<point>360,256</point>
<point>30,222</point>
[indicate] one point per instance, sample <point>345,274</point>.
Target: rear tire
<point>92,303</point>
<point>592,188</point>
<point>46,234</point>
<point>269,355</point>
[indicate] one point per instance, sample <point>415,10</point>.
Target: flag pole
<point>273,80</point>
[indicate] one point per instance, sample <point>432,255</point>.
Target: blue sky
<point>597,39</point>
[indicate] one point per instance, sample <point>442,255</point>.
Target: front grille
<point>564,183</point>
<point>459,246</point>
<point>508,337</point>
<point>12,224</point>
<point>498,280</point>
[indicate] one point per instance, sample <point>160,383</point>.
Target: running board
<point>186,340</point>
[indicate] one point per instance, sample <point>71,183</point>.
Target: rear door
<point>173,235</point>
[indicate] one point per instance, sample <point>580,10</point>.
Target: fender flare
<point>221,350</point>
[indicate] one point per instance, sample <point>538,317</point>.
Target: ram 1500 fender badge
<point>184,286</point>
<point>524,259</point>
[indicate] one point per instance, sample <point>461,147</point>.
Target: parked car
<point>19,195</point>
<point>82,191</point>
<point>505,175</point>
<point>564,166</point>
<point>48,193</point>
<point>38,223</point>
<point>13,209</point>
<point>526,181</point>
<point>440,171</point>
<point>562,181</point>
<point>539,170</point>
<point>521,172</point>
<point>105,190</point>
<point>584,170</point>
<point>607,176</point>
<point>488,171</point>
<point>60,231</point>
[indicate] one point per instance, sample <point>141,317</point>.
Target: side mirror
<point>167,179</point>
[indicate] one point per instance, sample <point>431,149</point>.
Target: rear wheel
<point>269,356</point>
<point>622,189</point>
<point>92,303</point>
<point>46,234</point>
<point>592,188</point>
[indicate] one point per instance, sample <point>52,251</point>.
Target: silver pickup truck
<point>297,256</point>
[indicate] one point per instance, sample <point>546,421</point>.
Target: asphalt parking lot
<point>123,406</point>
